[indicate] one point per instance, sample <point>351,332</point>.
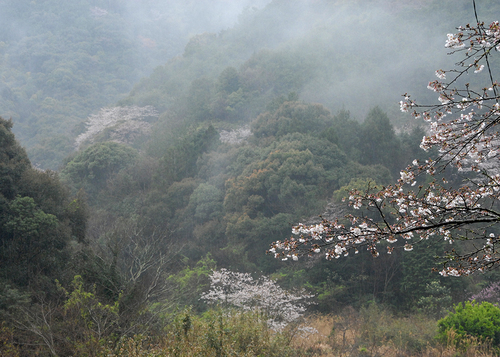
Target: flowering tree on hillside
<point>125,123</point>
<point>240,290</point>
<point>464,128</point>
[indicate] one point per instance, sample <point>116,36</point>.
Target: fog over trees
<point>152,151</point>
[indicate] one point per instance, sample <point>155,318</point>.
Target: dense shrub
<point>478,320</point>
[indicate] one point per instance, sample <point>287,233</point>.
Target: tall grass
<point>217,333</point>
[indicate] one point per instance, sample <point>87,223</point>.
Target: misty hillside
<point>156,142</point>
<point>61,63</point>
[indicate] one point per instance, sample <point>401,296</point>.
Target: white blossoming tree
<point>242,291</point>
<point>125,123</point>
<point>464,129</point>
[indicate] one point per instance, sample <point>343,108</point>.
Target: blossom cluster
<point>468,139</point>
<point>124,121</point>
<point>491,294</point>
<point>242,291</point>
<point>237,136</point>
<point>469,142</point>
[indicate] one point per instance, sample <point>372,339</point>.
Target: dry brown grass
<point>375,332</point>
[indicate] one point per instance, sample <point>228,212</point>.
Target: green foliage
<point>13,162</point>
<point>215,334</point>
<point>360,184</point>
<point>78,213</point>
<point>68,61</point>
<point>180,160</point>
<point>418,277</point>
<point>293,170</point>
<point>410,145</point>
<point>11,301</point>
<point>345,134</point>
<point>228,80</point>
<point>91,168</point>
<point>188,284</point>
<point>352,282</point>
<point>379,143</point>
<point>292,117</point>
<point>206,200</point>
<point>92,311</point>
<point>374,142</point>
<point>27,222</point>
<point>287,179</point>
<point>8,347</point>
<point>472,319</point>
<point>32,243</point>
<point>437,300</point>
<point>168,208</point>
<point>75,323</point>
<point>46,190</point>
<point>36,222</point>
<point>243,195</point>
<point>199,100</point>
<point>222,202</point>
<point>224,333</point>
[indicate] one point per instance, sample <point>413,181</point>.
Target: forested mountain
<point>60,62</point>
<point>185,142</point>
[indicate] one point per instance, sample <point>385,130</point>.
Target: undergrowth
<point>373,331</point>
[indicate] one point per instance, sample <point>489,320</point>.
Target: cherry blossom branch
<point>470,142</point>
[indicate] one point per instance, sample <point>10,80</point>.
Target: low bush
<point>481,321</point>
